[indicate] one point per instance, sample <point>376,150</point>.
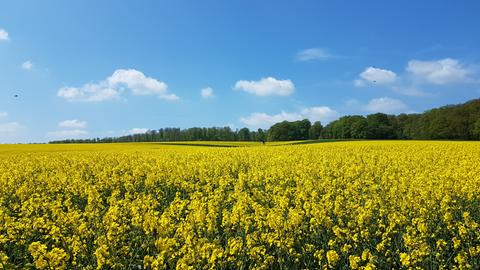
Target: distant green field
<point>141,146</point>
<point>227,144</point>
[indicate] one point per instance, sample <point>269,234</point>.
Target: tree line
<point>177,134</point>
<point>451,122</point>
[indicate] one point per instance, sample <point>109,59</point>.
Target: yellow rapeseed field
<point>358,205</point>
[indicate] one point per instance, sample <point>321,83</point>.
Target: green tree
<point>289,131</point>
<point>358,128</point>
<point>261,135</point>
<point>476,130</point>
<point>379,126</point>
<point>315,131</point>
<point>244,134</point>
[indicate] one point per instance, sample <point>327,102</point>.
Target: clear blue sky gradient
<point>191,45</point>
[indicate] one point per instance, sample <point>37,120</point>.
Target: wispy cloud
<point>71,129</point>
<point>378,105</point>
<point>73,124</point>
<point>411,91</point>
<point>10,128</point>
<point>268,86</point>
<point>68,134</point>
<point>313,54</point>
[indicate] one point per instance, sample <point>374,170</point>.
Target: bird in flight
<point>15,96</point>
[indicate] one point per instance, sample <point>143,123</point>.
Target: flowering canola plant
<point>343,205</point>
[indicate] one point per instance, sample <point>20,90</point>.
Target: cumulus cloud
<point>4,35</point>
<point>77,124</point>
<point>207,92</point>
<point>263,120</point>
<point>376,75</point>
<point>322,113</point>
<point>138,83</point>
<point>419,75</point>
<point>444,71</point>
<point>27,65</point>
<point>386,105</point>
<point>313,54</point>
<point>137,130</point>
<point>266,87</point>
<point>67,134</point>
<point>89,93</point>
<point>3,114</point>
<point>111,88</point>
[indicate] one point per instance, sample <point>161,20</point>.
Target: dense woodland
<point>177,134</point>
<point>452,122</point>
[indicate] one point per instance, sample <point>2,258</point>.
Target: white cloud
<point>89,93</point>
<point>27,65</point>
<point>4,35</point>
<point>376,75</point>
<point>440,72</point>
<point>11,132</point>
<point>67,134</point>
<point>313,54</point>
<point>76,124</point>
<point>137,130</point>
<point>263,120</point>
<point>138,83</point>
<point>113,86</point>
<point>417,75</point>
<point>266,86</point>
<point>386,105</point>
<point>207,92</point>
<point>323,113</point>
<point>9,129</point>
<point>73,129</point>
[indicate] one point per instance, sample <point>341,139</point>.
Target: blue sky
<point>108,68</point>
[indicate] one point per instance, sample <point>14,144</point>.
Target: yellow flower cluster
<point>357,205</point>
